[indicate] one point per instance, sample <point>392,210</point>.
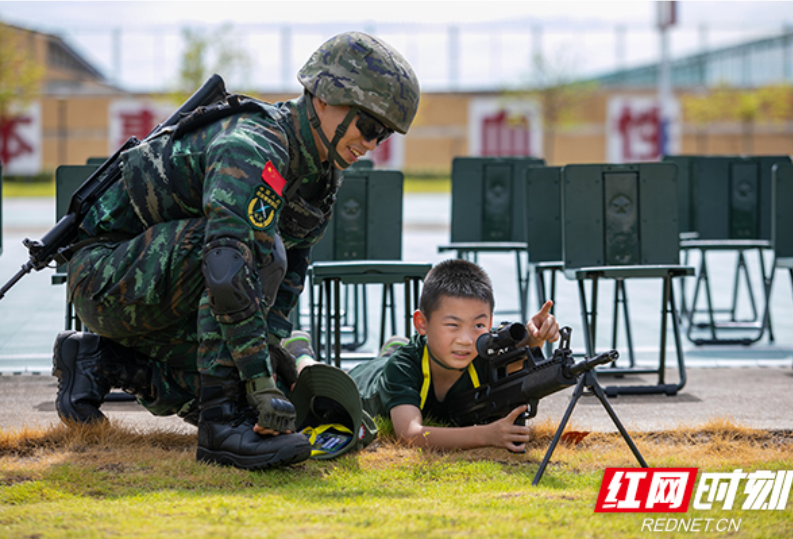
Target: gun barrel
<point>21,273</point>
<point>590,364</point>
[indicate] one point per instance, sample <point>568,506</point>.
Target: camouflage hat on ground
<point>329,411</point>
<point>359,70</point>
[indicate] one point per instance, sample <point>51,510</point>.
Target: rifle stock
<point>44,251</point>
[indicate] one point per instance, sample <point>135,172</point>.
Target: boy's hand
<point>542,327</point>
<point>506,434</point>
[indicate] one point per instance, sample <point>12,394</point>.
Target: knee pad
<point>230,280</point>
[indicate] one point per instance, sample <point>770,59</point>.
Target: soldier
<point>191,264</point>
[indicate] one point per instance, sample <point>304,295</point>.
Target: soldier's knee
<point>230,279</point>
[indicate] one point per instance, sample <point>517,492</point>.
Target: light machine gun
<point>516,378</point>
<point>58,239</point>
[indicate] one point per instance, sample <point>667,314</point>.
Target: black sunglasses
<point>371,128</point>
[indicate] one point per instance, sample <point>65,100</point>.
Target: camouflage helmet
<point>358,70</point>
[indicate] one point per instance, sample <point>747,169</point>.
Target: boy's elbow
<point>408,427</point>
<point>412,436</point>
<point>404,438</point>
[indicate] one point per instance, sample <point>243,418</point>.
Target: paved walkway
<point>752,385</point>
<point>757,397</point>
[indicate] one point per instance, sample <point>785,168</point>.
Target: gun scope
<point>504,336</point>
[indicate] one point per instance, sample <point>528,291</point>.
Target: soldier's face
<point>352,145</point>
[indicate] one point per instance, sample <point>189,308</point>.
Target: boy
<point>412,381</point>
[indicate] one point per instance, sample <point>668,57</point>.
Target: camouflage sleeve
<point>293,284</point>
<point>289,292</point>
<point>242,200</point>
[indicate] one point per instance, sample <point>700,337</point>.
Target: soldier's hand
<point>276,413</point>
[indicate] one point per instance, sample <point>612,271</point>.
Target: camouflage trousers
<point>144,293</point>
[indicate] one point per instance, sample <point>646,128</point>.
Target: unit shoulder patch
<point>262,207</point>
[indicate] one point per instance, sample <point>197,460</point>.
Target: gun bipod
<point>587,381</point>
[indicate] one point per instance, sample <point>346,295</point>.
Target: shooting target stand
<point>587,381</point>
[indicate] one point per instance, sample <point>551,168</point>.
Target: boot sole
<point>283,456</point>
<point>65,372</point>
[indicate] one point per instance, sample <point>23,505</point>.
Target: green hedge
<point>42,177</point>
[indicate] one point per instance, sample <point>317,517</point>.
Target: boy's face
<point>453,328</point>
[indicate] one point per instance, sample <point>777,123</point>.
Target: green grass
<point>416,184</point>
<point>28,189</point>
<point>121,484</point>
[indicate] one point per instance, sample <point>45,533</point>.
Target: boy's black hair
<point>455,278</point>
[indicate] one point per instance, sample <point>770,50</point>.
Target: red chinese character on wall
<point>382,154</point>
<point>137,124</point>
<point>12,144</point>
<point>505,136</point>
<point>640,131</point>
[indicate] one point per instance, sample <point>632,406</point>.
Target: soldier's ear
<point>420,322</point>
<point>319,105</point>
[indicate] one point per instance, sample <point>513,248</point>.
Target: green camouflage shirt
<point>236,172</point>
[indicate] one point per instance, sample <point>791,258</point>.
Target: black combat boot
<point>226,436</point>
<point>88,367</point>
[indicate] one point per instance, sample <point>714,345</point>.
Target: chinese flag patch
<point>272,178</point>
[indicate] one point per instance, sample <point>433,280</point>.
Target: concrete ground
<point>750,385</point>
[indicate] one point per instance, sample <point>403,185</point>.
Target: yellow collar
<point>425,369</point>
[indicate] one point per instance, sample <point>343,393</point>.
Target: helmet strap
<point>341,129</point>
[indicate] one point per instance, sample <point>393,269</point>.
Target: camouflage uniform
<point>188,267</point>
<point>145,289</point>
